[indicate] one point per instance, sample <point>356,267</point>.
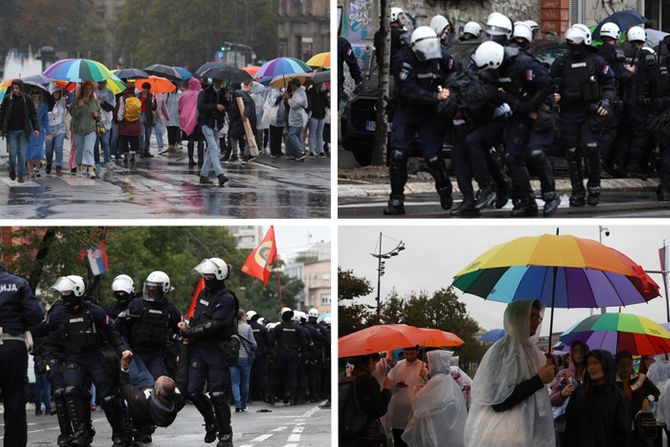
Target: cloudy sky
<point>434,254</point>
<point>294,238</point>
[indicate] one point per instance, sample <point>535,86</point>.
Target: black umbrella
<point>164,71</point>
<point>227,73</point>
<point>131,73</point>
<point>207,66</point>
<point>321,76</point>
<point>623,19</point>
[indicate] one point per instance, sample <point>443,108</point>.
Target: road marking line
<point>310,412</point>
<point>293,438</point>
<point>262,438</point>
<point>278,429</point>
<point>291,445</point>
<point>299,428</point>
<point>246,445</point>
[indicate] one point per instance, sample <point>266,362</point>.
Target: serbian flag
<point>259,262</point>
<point>194,300</point>
<point>97,258</point>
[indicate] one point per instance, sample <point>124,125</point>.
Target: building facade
<point>248,236</point>
<point>312,267</point>
<point>303,28</point>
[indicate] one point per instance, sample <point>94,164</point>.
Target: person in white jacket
<point>438,409</point>
<point>297,119</point>
<point>54,140</point>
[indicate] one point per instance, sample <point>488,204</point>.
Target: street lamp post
<point>381,265</point>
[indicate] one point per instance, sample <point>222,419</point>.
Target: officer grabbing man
<point>586,90</point>
<point>152,324</point>
<point>214,321</point>
<point>421,73</point>
<point>19,310</point>
<point>290,341</point>
<point>84,330</point>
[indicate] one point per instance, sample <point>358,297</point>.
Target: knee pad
<point>435,162</point>
<point>59,394</point>
<point>109,401</point>
<point>571,153</point>
<point>71,391</point>
<point>218,397</point>
<point>537,155</point>
<point>591,148</point>
<point>398,156</point>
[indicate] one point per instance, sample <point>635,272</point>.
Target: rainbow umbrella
<point>561,271</point>
<point>617,332</point>
<point>321,60</point>
<point>282,66</point>
<point>81,70</point>
<point>387,337</point>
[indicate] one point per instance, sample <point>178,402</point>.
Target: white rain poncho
<point>663,406</point>
<point>511,360</point>
<point>659,371</point>
<point>401,402</point>
<point>438,410</point>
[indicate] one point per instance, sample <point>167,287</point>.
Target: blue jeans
<point>158,129</point>
<point>42,392</point>
<point>84,144</point>
<point>55,145</point>
<point>146,132</point>
<point>240,380</point>
<point>294,147</point>
<point>212,152</point>
<point>140,376</point>
<point>105,147</point>
<point>114,140</point>
<point>316,135</point>
<point>18,145</point>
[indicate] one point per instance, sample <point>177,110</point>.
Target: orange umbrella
<point>387,337</point>
<point>251,69</point>
<point>158,84</point>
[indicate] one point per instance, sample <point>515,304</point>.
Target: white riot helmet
<point>473,28</point>
<point>123,283</point>
<point>577,35</point>
<point>426,44</point>
<point>296,316</point>
<point>70,285</point>
<point>214,266</point>
<point>439,24</point>
<point>610,30</point>
<point>156,286</point>
<point>636,34</point>
<point>499,25</point>
<point>327,320</point>
<point>489,55</point>
<point>586,30</point>
<point>261,321</point>
<point>533,25</point>
<point>251,314</point>
<point>286,311</point>
<point>313,312</point>
<point>522,30</point>
<point>398,15</point>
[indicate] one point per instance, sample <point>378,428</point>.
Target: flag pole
<point>281,303</point>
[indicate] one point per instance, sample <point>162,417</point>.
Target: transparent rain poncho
<point>511,360</point>
<point>438,409</point>
<point>400,405</point>
<point>659,371</point>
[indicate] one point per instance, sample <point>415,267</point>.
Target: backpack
<point>353,420</point>
<point>133,109</point>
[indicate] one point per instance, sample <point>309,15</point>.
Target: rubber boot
<point>577,181</point>
<point>467,208</point>
<point>74,408</point>
<point>86,413</point>
<point>594,195</point>
<point>395,207</point>
<point>485,198</point>
<point>551,203</point>
<point>204,406</point>
<point>65,436</point>
<point>222,411</point>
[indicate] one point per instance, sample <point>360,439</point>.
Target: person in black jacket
<point>147,118</point>
<point>211,116</point>
<point>318,102</point>
<point>345,54</point>
<point>18,118</point>
<point>260,385</point>
<point>236,129</point>
<point>598,411</point>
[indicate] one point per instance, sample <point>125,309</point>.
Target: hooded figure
<point>659,371</point>
<point>188,110</point>
<point>598,411</point>
<point>511,363</point>
<point>438,410</point>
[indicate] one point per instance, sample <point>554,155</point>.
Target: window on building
<point>325,299</point>
<point>658,12</point>
<point>325,277</point>
<point>246,240</point>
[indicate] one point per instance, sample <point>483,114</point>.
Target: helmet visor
<point>206,267</point>
<point>64,286</point>
<point>152,292</point>
<point>427,48</point>
<point>497,30</point>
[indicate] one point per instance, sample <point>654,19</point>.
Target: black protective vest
<point>288,338</point>
<point>663,75</point>
<point>429,74</point>
<point>579,81</point>
<point>81,334</point>
<point>151,328</point>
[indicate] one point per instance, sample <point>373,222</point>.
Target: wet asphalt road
<point>298,426</point>
<point>165,187</point>
<point>637,204</point>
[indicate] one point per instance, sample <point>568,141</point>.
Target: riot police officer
<point>471,31</point>
<point>84,330</point>
<point>421,73</point>
<point>152,325</point>
<point>661,123</point>
<point>19,310</point>
<point>398,30</point>
<point>289,341</point>
<point>214,321</point>
<point>586,90</point>
<point>527,86</point>
<point>614,55</point>
<point>522,36</point>
<point>640,62</point>
<point>123,290</point>
<point>319,335</point>
<point>498,28</point>
<point>259,389</point>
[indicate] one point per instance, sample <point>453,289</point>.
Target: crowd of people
<point>519,396</point>
<point>103,128</point>
<point>146,361</point>
<point>606,108</point>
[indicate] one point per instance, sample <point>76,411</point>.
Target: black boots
<point>485,198</point>
<point>526,207</point>
<point>551,203</point>
<point>222,179</point>
<point>204,406</point>
<point>65,436</point>
<point>594,195</point>
<point>467,208</point>
<point>222,411</point>
<point>80,436</point>
<point>395,207</point>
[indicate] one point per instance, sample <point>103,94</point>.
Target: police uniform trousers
<point>259,378</point>
<point>14,358</point>
<point>407,122</point>
<point>287,368</point>
<point>79,370</point>
<point>207,365</point>
<point>578,136</point>
<point>469,154</point>
<point>632,137</point>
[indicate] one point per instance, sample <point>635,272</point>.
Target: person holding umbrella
<point>510,404</point>
<point>85,112</point>
<point>36,142</point>
<point>149,106</point>
<point>297,119</point>
<point>211,116</point>
<point>17,115</point>
<point>57,136</point>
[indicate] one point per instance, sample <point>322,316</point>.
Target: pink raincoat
<point>188,107</point>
